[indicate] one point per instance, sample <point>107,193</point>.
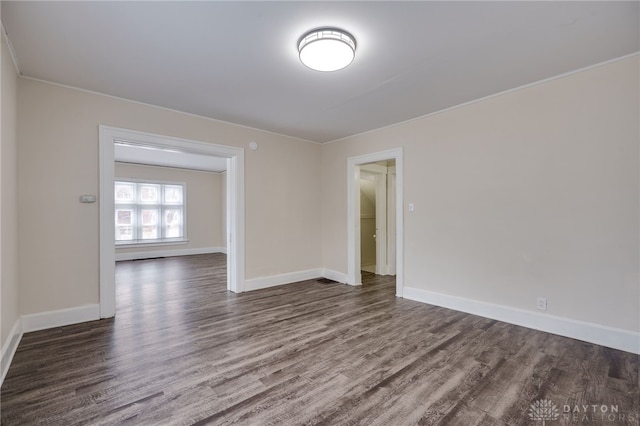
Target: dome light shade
<point>327,49</point>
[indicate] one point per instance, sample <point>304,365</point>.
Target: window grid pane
<point>148,212</point>
<point>149,194</point>
<point>173,194</point>
<point>125,218</point>
<point>125,192</point>
<point>173,223</point>
<point>149,222</point>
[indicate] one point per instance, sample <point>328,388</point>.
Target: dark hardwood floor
<point>183,350</point>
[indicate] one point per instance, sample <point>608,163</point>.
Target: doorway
<point>108,137</point>
<point>369,229</point>
<point>377,217</point>
<point>389,245</point>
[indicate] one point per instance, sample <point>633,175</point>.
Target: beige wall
<point>8,197</point>
<point>203,207</point>
<point>530,193</point>
<point>58,161</point>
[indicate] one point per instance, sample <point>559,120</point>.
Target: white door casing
<point>108,136</point>
<point>391,220</point>
<point>353,215</point>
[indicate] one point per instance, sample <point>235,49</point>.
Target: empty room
<point>320,212</point>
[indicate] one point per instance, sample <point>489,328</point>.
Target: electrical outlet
<point>542,303</point>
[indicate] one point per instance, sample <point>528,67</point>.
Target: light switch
<point>411,207</point>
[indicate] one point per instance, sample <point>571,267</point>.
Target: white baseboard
<point>275,280</point>
<point>369,268</point>
<point>62,317</point>
<point>149,254</point>
<point>9,349</point>
<point>616,338</point>
<point>334,275</point>
<point>292,277</point>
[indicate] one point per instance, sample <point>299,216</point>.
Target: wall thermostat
<point>87,198</point>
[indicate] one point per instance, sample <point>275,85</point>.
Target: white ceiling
<point>237,61</point>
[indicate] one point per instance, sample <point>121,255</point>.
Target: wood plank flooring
<point>182,350</point>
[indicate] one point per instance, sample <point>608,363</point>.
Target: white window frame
<point>137,221</point>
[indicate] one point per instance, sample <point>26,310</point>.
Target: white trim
<point>12,52</point>
<point>353,215</point>
<point>9,348</point>
<point>106,166</point>
<point>486,98</point>
<point>235,203</point>
<point>293,277</point>
<point>370,268</point>
<point>391,219</point>
<point>156,243</point>
<point>235,222</point>
<point>334,275</point>
<point>354,224</point>
<point>276,280</point>
<point>168,253</point>
<point>616,338</point>
<point>60,318</point>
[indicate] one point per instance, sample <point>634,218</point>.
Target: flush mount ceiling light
<point>327,49</point>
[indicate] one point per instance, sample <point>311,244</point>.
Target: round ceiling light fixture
<point>327,49</point>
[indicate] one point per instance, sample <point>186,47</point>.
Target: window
<point>149,212</point>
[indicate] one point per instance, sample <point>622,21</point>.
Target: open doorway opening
<point>111,137</point>
<point>377,217</point>
<point>376,168</point>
